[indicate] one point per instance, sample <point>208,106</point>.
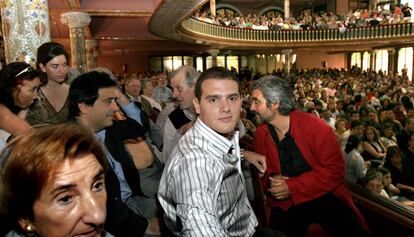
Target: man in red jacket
<point>304,180</point>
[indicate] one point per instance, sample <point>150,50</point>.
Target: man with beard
<point>306,170</point>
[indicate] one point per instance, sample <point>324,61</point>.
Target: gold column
<point>213,7</point>
<point>25,26</point>
<point>213,53</point>
<point>391,60</point>
<point>287,8</point>
<point>77,22</point>
<point>372,60</point>
<point>286,66</point>
<point>373,4</point>
<point>412,73</point>
<point>91,53</point>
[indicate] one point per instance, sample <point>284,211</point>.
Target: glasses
<point>257,101</point>
<point>27,69</point>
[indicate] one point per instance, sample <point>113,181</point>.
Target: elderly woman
<point>19,83</point>
<point>52,183</point>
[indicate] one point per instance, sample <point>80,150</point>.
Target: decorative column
<point>373,4</point>
<point>412,73</point>
<point>90,53</point>
<point>286,66</point>
<point>287,9</point>
<point>77,22</point>
<point>213,53</point>
<point>391,61</point>
<point>25,26</point>
<point>372,60</point>
<point>213,7</point>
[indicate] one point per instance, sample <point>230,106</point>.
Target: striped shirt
<point>202,187</point>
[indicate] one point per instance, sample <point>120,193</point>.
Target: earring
<point>29,230</point>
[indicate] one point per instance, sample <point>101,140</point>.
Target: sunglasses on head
<point>27,69</point>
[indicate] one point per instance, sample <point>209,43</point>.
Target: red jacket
<point>318,144</point>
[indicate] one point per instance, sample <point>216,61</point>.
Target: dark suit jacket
<point>121,220</point>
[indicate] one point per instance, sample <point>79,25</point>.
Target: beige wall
<point>315,59</point>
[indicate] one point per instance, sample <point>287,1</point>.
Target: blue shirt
<point>133,112</point>
<point>126,191</point>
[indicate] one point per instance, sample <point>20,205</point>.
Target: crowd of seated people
<point>376,119</point>
<point>124,114</point>
<point>315,21</point>
<point>373,126</point>
<point>371,112</point>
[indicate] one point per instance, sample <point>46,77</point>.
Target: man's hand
<point>183,129</point>
<point>279,188</point>
<point>259,161</point>
<point>121,99</point>
<point>153,227</point>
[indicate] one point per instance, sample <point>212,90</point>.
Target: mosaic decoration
<point>25,27</point>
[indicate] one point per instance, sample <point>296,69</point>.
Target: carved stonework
<point>77,22</point>
<point>77,33</point>
<point>25,26</point>
<point>75,19</point>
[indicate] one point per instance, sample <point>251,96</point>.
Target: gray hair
<point>144,83</point>
<point>276,90</point>
<point>191,74</point>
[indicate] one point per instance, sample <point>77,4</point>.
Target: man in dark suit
<point>93,99</point>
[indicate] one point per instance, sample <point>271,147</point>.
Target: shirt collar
<point>218,143</point>
<point>101,135</point>
<point>132,98</point>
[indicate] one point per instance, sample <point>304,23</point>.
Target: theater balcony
<point>220,35</point>
<point>178,24</point>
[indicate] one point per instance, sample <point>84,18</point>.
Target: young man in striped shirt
<point>202,187</point>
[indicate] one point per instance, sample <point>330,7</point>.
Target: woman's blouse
<point>355,166</point>
<point>378,148</point>
<point>42,112</point>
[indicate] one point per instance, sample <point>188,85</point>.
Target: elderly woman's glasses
<point>27,69</point>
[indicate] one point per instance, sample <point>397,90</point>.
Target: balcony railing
<point>202,30</point>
